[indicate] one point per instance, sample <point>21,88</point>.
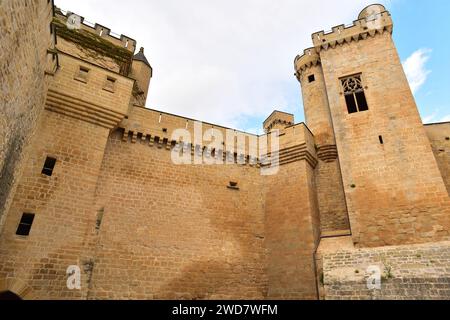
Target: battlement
<point>99,30</point>
<point>296,143</point>
<point>374,19</point>
<point>156,128</point>
<point>278,118</point>
<point>309,58</point>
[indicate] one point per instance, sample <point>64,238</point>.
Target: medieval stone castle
<point>87,180</point>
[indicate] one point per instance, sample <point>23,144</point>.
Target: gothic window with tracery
<point>355,97</point>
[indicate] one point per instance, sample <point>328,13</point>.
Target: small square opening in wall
<point>25,224</point>
<point>110,84</point>
<point>49,166</point>
<point>233,185</point>
<point>82,74</point>
<point>311,78</point>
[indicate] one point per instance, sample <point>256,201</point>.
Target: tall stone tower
<point>332,207</point>
<point>357,98</point>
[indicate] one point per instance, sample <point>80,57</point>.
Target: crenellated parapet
<point>278,120</point>
<point>93,43</point>
<point>182,148</point>
<point>373,20</point>
<point>95,28</point>
<point>156,129</point>
<point>309,59</point>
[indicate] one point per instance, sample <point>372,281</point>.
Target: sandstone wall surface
<point>177,231</point>
<point>439,135</point>
<point>63,204</point>
<point>25,38</point>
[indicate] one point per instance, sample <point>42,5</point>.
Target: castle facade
<point>89,186</point>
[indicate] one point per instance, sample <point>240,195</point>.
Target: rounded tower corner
<point>309,73</point>
<point>371,10</point>
<point>308,59</point>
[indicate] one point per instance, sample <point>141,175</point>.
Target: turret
<point>142,72</point>
<point>278,120</point>
<point>315,100</point>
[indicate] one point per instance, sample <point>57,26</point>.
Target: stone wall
<point>439,135</point>
<point>141,227</point>
<point>65,217</point>
<point>417,272</point>
<point>74,128</point>
<point>332,205</point>
<point>177,231</point>
<point>25,38</point>
<point>293,228</point>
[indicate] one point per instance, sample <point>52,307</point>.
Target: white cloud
<point>415,68</point>
<point>221,61</point>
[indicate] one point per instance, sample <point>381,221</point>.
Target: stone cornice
<point>82,110</point>
<point>327,153</point>
<point>294,154</point>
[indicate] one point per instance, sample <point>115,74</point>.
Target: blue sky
<point>425,25</point>
<point>231,62</point>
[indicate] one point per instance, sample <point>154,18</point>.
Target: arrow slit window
<point>355,97</point>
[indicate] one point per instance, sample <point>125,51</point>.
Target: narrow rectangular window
<point>351,103</point>
<point>362,102</point>
<point>355,97</point>
<point>49,165</point>
<point>311,78</point>
<point>25,224</point>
